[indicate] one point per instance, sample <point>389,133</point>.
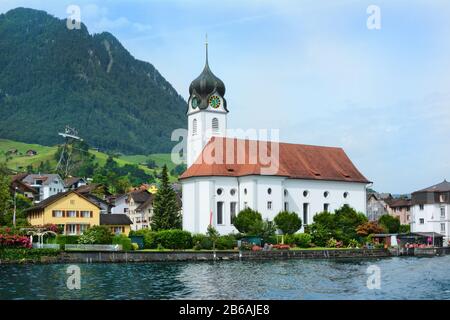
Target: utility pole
<point>15,207</point>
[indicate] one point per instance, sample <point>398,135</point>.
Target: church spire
<point>206,46</point>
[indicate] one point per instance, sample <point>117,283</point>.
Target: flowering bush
<point>52,227</point>
<point>14,241</point>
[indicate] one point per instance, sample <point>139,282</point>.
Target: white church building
<point>226,175</point>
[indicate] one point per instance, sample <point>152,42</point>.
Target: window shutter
<point>92,214</point>
<point>78,214</point>
<point>64,213</point>
<point>78,229</point>
<point>123,229</point>
<point>53,213</point>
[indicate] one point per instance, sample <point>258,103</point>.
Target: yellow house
<point>74,213</point>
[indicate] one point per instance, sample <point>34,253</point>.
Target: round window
<point>269,191</point>
<point>345,194</point>
<point>219,191</point>
<point>305,193</point>
<point>245,191</point>
<point>325,194</point>
<point>233,192</point>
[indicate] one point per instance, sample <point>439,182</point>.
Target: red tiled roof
<point>296,161</point>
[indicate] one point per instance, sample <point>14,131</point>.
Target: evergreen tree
<point>166,212</point>
<point>5,196</point>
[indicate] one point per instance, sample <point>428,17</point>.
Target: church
<point>225,174</point>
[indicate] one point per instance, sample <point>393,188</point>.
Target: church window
<point>345,195</point>
<point>286,206</point>
<point>219,191</point>
<point>325,194</point>
<point>215,125</point>
<point>269,191</point>
<point>245,191</point>
<point>219,213</point>
<point>305,193</point>
<point>269,205</point>
<point>305,213</point>
<point>194,127</point>
<point>326,206</point>
<point>285,193</point>
<point>233,192</point>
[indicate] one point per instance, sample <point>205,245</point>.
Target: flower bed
<point>9,239</point>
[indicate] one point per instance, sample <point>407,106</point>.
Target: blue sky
<point>310,68</point>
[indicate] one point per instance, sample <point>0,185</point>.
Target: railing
<point>93,247</point>
<point>46,246</point>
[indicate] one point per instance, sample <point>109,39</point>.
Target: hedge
<point>174,239</point>
<point>16,254</point>
<point>124,241</point>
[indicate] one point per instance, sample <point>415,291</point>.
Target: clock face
<point>214,102</point>
<point>195,102</point>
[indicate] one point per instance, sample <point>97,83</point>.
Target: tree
<point>367,228</point>
<point>248,221</point>
<point>404,228</point>
<point>5,195</point>
<point>341,225</point>
<point>96,235</point>
<point>166,211</point>
<point>288,222</point>
<point>392,224</point>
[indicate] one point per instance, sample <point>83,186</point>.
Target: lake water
<point>401,278</point>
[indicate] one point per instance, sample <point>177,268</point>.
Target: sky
<point>312,69</point>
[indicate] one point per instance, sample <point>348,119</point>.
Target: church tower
<point>207,112</point>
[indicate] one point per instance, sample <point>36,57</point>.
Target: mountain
<point>51,77</point>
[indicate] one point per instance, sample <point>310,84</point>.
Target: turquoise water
<point>401,278</point>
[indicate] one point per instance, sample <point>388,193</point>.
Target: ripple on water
<point>401,278</point>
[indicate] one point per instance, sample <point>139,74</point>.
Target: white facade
<point>46,184</point>
<point>431,218</point>
<point>201,198</point>
<point>202,125</point>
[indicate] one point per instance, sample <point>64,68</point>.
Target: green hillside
<point>51,77</point>
<point>20,161</point>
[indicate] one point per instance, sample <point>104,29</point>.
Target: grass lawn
<point>20,161</point>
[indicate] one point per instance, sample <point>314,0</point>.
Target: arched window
<point>215,125</point>
<point>194,127</point>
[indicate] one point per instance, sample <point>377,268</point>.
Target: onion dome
<point>206,84</point>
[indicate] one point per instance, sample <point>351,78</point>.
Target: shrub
<point>134,246</point>
<point>96,235</point>
<point>14,241</point>
<point>20,254</point>
<point>302,240</point>
<point>63,239</point>
<point>201,242</point>
<point>226,242</point>
<point>370,227</point>
<point>333,243</point>
<point>391,224</point>
<point>246,219</point>
<point>353,243</point>
<point>404,228</point>
<point>288,222</point>
<point>150,237</point>
<point>124,241</point>
<point>174,239</point>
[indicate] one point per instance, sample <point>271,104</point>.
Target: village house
<point>74,213</point>
<point>17,186</point>
<point>376,206</point>
<point>400,208</point>
<point>73,183</point>
<point>430,210</point>
<point>31,153</point>
<point>138,205</point>
<point>46,185</point>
